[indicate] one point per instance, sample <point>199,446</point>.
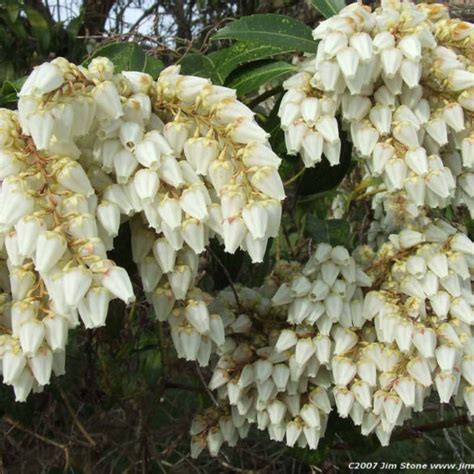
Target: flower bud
<point>117,281</point>
<point>180,281</point>
<point>41,365</point>
<point>31,335</point>
<point>23,384</point>
<point>198,316</point>
<point>13,363</point>
<point>146,184</point>
<point>193,233</point>
<point>107,100</point>
<point>14,206</point>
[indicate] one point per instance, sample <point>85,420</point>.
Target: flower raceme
<point>401,81</point>
<point>178,158</point>
<point>59,272</point>
<point>368,335</point>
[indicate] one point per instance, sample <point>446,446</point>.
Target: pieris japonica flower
<point>387,331</point>
<point>53,249</point>
<point>109,147</point>
<point>384,80</point>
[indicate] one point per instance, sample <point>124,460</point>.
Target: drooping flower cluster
<point>372,344</point>
<point>401,81</point>
<point>88,149</point>
<point>274,368</point>
<point>419,332</point>
<point>57,263</point>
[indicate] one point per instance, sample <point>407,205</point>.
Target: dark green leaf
<point>13,86</point>
<point>16,27</point>
<point>74,25</point>
<point>125,56</point>
<point>275,30</point>
<point>153,66</point>
<point>328,8</point>
<point>198,65</point>
<point>7,71</point>
<point>332,231</point>
<point>242,52</point>
<point>137,59</point>
<point>39,27</point>
<point>13,10</point>
<point>8,99</point>
<point>250,78</point>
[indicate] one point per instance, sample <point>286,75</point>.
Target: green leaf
<point>275,30</point>
<point>242,52</point>
<point>125,56</point>
<point>250,78</point>
<point>74,26</point>
<point>153,66</point>
<point>332,231</point>
<point>198,65</point>
<point>39,27</point>
<point>13,10</point>
<point>16,27</point>
<point>8,99</point>
<point>7,72</point>
<point>328,8</point>
<point>137,60</point>
<point>13,86</point>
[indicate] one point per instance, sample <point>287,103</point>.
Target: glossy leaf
<point>10,89</point>
<point>242,52</point>
<point>129,56</point>
<point>274,30</point>
<point>251,77</point>
<point>153,66</point>
<point>15,27</point>
<point>328,8</point>
<point>123,55</point>
<point>74,26</point>
<point>198,65</point>
<point>7,71</point>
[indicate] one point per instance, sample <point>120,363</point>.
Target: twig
<point>84,432</point>
<point>227,274</point>
<point>229,467</point>
<point>181,386</point>
<point>44,439</point>
<point>416,431</point>
<point>211,395</point>
<point>295,177</point>
<point>146,13</point>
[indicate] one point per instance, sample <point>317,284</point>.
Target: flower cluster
<point>57,263</point>
<point>275,366</point>
<point>179,158</point>
<point>401,81</point>
<point>371,339</point>
<point>420,314</point>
